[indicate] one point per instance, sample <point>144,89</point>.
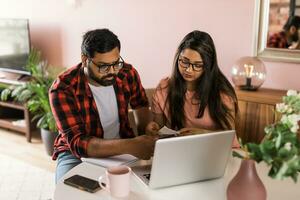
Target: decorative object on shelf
<point>280,148</point>
<point>246,184</point>
<point>248,73</point>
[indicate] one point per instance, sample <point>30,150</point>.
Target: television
<point>14,45</point>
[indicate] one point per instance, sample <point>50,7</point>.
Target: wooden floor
<point>14,145</point>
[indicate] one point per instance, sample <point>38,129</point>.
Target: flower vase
<point>246,184</point>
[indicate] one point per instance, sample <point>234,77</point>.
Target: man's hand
<point>142,147</point>
<point>152,128</point>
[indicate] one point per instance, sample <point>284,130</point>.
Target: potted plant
<point>280,148</point>
<point>35,95</point>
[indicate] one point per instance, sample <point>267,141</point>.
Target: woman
<point>197,95</point>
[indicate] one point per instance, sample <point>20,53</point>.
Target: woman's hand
<point>152,128</point>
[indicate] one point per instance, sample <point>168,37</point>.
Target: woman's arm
<point>154,126</point>
<point>230,104</point>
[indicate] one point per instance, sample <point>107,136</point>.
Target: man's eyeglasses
<point>104,68</point>
<point>185,65</point>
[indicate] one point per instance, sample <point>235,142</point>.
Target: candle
<point>249,74</point>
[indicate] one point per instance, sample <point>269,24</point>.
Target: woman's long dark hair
<point>209,86</point>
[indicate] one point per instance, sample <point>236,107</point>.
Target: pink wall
<point>149,31</point>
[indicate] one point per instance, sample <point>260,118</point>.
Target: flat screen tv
<point>14,45</point>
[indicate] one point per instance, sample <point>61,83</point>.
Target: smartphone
<point>83,183</point>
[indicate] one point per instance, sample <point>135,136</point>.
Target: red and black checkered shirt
<point>278,40</point>
<point>75,110</point>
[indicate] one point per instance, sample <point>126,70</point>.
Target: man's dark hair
<point>292,21</point>
<point>99,40</point>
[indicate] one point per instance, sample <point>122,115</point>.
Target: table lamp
<point>248,73</point>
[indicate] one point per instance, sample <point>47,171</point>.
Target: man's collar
<point>82,83</point>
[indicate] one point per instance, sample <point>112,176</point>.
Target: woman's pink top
<point>191,108</point>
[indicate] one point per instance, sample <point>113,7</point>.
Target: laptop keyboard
<point>147,176</point>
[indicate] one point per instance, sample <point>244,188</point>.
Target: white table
<point>208,190</point>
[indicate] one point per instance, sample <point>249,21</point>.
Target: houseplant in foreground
<point>280,148</point>
<point>35,95</point>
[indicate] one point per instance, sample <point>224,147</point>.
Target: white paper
<point>167,131</point>
<point>112,161</point>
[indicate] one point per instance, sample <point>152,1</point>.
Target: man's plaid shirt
<point>278,40</point>
<point>75,110</point>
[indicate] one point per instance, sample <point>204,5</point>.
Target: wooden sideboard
<point>256,111</point>
<point>12,112</point>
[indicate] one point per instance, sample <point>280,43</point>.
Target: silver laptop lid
<point>189,159</point>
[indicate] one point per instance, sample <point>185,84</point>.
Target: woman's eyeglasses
<point>185,65</point>
<point>104,68</point>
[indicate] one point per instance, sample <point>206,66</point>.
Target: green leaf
<point>24,96</point>
<point>18,89</point>
<point>255,152</point>
<point>5,94</point>
<point>278,140</point>
<point>267,150</point>
<point>236,154</point>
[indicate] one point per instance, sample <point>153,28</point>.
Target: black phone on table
<point>83,183</point>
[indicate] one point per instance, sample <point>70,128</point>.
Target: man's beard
<point>103,80</point>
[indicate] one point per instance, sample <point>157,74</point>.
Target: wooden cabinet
<point>256,111</point>
<point>15,116</point>
<point>11,114</point>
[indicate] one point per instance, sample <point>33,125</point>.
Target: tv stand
<point>15,116</point>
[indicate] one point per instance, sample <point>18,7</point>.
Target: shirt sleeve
<point>68,121</point>
<point>272,42</point>
<point>159,98</point>
<point>138,96</point>
<point>156,102</point>
<point>277,40</point>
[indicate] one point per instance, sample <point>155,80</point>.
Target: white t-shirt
<point>107,106</point>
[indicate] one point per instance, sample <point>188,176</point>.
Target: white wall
<point>149,31</point>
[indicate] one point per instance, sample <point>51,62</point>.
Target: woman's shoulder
<point>163,83</point>
<point>161,89</point>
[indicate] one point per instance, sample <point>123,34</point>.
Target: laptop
<point>187,159</point>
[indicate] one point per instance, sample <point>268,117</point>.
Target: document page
<point>124,159</point>
<point>167,131</point>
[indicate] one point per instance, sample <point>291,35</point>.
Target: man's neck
<point>90,80</point>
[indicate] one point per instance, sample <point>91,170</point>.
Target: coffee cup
<point>116,181</point>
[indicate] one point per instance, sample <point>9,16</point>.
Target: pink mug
<point>117,181</point>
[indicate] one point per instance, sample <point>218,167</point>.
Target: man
<point>90,105</point>
<point>288,37</point>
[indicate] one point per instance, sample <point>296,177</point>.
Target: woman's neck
<point>190,86</point>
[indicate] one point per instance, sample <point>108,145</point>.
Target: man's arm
<point>68,121</point>
<point>81,144</point>
<point>141,147</point>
